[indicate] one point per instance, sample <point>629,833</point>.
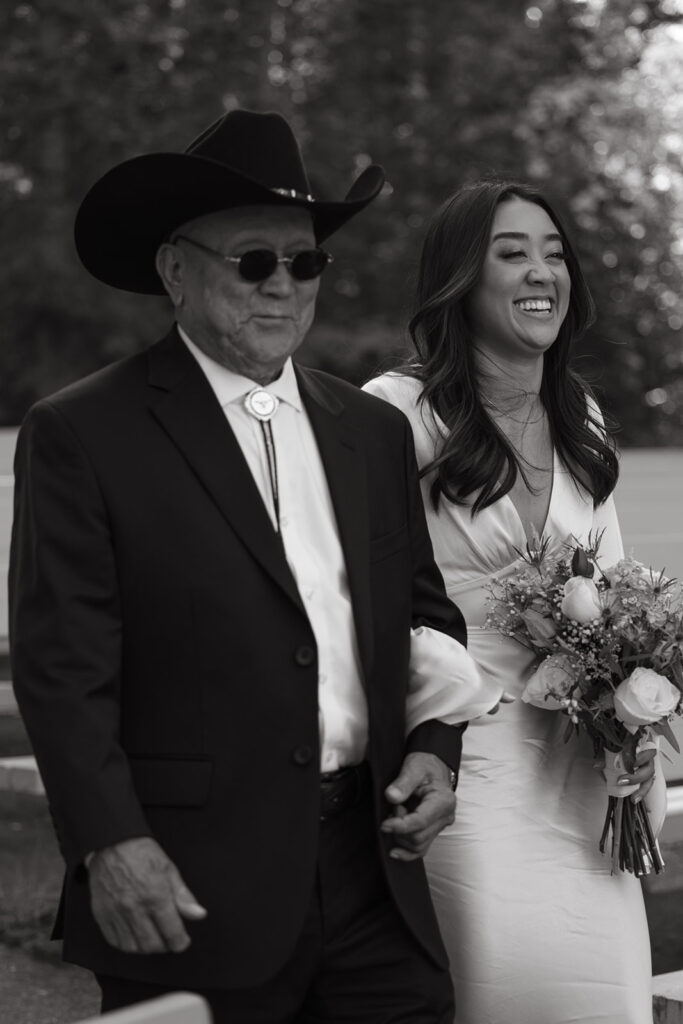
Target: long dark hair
<point>476,455</point>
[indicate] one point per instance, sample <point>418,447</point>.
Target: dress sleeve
<point>397,389</point>
<point>444,681</point>
<point>445,687</point>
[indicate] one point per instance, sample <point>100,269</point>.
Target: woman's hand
<point>643,773</point>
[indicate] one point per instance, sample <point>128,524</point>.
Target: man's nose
<point>280,281</point>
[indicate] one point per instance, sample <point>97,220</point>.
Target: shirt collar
<point>230,387</point>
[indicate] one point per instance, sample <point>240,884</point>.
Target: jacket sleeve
<point>65,637</point>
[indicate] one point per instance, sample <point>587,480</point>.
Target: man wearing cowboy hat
<point>218,563</point>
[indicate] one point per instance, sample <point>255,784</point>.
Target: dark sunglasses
<point>259,264</point>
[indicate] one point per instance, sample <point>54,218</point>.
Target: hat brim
<point>133,208</point>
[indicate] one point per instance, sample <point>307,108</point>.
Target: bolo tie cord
<point>269,442</point>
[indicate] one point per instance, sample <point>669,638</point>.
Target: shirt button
<point>284,521</point>
<point>322,679</point>
<point>302,755</point>
<point>304,656</point>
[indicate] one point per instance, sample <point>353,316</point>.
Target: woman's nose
<point>541,271</point>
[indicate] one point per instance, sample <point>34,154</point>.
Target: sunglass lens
<point>258,264</point>
<point>309,264</point>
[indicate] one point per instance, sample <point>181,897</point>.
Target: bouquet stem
<point>616,834</point>
<point>634,847</point>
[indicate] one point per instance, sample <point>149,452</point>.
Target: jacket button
<point>304,656</point>
<point>302,755</point>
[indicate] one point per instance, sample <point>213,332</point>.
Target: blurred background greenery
<point>580,96</point>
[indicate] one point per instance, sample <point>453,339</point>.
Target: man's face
<point>250,327</point>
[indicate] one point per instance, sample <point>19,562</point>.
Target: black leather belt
<point>343,789</point>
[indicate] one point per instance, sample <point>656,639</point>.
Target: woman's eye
<point>513,254</point>
<point>556,256</point>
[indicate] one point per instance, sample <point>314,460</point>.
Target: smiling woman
<point>501,299</point>
<point>510,442</point>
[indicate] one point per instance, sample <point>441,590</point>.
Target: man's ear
<point>169,264</point>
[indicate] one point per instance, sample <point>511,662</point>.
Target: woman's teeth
<point>534,305</point>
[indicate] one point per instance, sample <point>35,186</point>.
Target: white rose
<point>581,600</point>
<point>645,697</point>
<point>552,680</point>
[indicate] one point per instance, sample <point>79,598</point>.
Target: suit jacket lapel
<point>345,469</point>
<point>184,404</point>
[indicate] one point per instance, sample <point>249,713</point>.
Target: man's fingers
<point>187,904</point>
<point>139,934</point>
<point>130,926</point>
<point>398,853</point>
<point>171,928</point>
<point>139,898</point>
<point>403,785</point>
<point>415,844</point>
<point>505,698</point>
<point>414,832</point>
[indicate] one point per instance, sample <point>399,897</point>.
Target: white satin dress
<point>537,929</point>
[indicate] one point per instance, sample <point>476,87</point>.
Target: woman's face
<point>522,295</point>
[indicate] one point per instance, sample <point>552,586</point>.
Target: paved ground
<point>36,991</point>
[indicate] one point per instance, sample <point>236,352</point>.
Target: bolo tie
<point>260,404</point>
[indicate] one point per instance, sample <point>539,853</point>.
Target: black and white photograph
<point>341,530</point>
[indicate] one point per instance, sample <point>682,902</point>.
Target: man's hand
<point>139,899</point>
<point>425,778</point>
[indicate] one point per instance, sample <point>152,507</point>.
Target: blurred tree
<point>580,96</point>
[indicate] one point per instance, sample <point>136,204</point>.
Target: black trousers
<point>355,961</point>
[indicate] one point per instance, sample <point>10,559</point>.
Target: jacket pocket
<point>172,782</point>
<point>388,544</point>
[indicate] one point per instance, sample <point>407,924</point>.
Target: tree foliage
<point>578,96</point>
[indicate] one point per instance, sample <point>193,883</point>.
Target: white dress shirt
<point>444,682</point>
<point>312,547</point>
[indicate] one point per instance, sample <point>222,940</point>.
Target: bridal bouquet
<point>609,647</point>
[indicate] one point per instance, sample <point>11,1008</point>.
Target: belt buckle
<point>344,791</point>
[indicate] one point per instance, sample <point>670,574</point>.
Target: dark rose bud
<point>581,564</point>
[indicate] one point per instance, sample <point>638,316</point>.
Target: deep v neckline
<point>506,497</point>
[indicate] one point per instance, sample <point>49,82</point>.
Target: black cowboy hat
<point>243,158</point>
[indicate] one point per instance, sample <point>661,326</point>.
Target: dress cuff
<point>444,683</point>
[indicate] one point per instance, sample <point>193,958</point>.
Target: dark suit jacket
<point>164,664</point>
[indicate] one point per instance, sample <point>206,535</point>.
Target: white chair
<point>667,998</point>
<point>178,1008</point>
